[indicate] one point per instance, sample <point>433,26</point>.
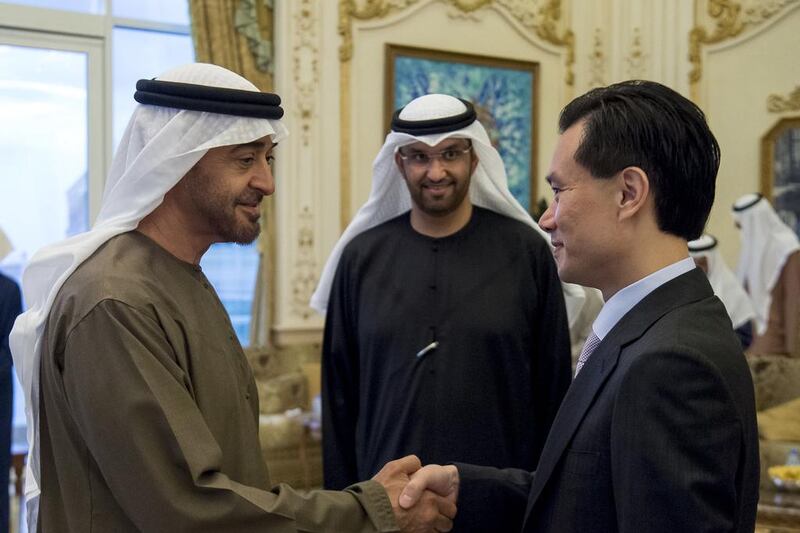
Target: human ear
<point>399,162</point>
<point>635,191</point>
<point>473,162</point>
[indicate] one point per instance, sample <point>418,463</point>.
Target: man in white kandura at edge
<point>726,286</point>
<point>769,269</point>
<point>142,409</point>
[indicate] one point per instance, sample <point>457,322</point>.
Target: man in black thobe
<point>446,332</point>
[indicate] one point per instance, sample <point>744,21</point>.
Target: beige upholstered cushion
<point>776,379</point>
<point>781,422</point>
<point>282,393</point>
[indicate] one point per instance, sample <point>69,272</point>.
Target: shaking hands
<point>423,498</point>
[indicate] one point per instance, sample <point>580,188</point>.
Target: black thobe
<point>489,295</point>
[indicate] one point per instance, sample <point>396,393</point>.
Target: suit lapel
<point>576,402</point>
<point>686,288</point>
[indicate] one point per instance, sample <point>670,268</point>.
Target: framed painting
<point>503,91</point>
<point>780,170</point>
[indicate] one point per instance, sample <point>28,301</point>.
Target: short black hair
<point>650,126</point>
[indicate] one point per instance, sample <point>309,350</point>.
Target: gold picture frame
<point>777,180</point>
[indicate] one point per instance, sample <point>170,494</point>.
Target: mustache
<point>252,198</point>
<point>428,182</point>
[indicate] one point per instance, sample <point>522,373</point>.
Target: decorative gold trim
<point>636,58</point>
<point>468,6</point>
<point>597,61</point>
<point>304,279</point>
<point>349,10</point>
<point>768,151</point>
<point>306,80</point>
<point>726,14</point>
<point>543,23</point>
<point>372,9</point>
<point>344,144</point>
<point>730,21</point>
<point>778,104</point>
<point>550,14</point>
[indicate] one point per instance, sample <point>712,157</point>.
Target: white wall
<point>739,74</point>
<point>335,106</point>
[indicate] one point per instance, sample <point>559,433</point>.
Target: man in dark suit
<point>10,307</point>
<point>658,430</point>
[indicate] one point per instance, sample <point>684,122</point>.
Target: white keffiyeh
<point>766,245</point>
<point>724,282</point>
<point>389,196</point>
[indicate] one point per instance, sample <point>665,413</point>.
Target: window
<point>155,10</point>
<point>44,158</point>
<point>96,7</point>
<point>141,53</point>
<point>232,269</point>
<point>55,87</point>
<point>63,112</point>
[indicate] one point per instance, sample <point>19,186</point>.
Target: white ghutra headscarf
<point>766,245</point>
<point>722,279</point>
<point>159,147</point>
<point>389,196</point>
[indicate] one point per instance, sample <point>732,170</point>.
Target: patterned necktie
<point>588,347</point>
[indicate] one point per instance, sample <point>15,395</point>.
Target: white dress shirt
<point>624,300</point>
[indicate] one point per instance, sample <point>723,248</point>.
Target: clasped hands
<point>423,498</point>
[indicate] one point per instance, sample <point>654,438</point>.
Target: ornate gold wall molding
<point>369,10</point>
<point>636,58</point>
<point>597,61</point>
<point>304,279</point>
<point>541,17</point>
<point>305,60</point>
<point>768,142</point>
<point>779,104</point>
<point>730,18</point>
<point>546,26</point>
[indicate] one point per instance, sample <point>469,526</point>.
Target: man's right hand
<point>428,511</point>
<point>443,480</point>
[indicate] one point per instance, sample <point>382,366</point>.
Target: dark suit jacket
<point>10,307</point>
<point>657,432</point>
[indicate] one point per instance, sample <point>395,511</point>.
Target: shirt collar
<point>624,300</point>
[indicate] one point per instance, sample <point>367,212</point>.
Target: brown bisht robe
<point>149,411</point>
<point>782,336</point>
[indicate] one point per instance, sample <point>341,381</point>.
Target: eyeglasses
<point>422,160</point>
